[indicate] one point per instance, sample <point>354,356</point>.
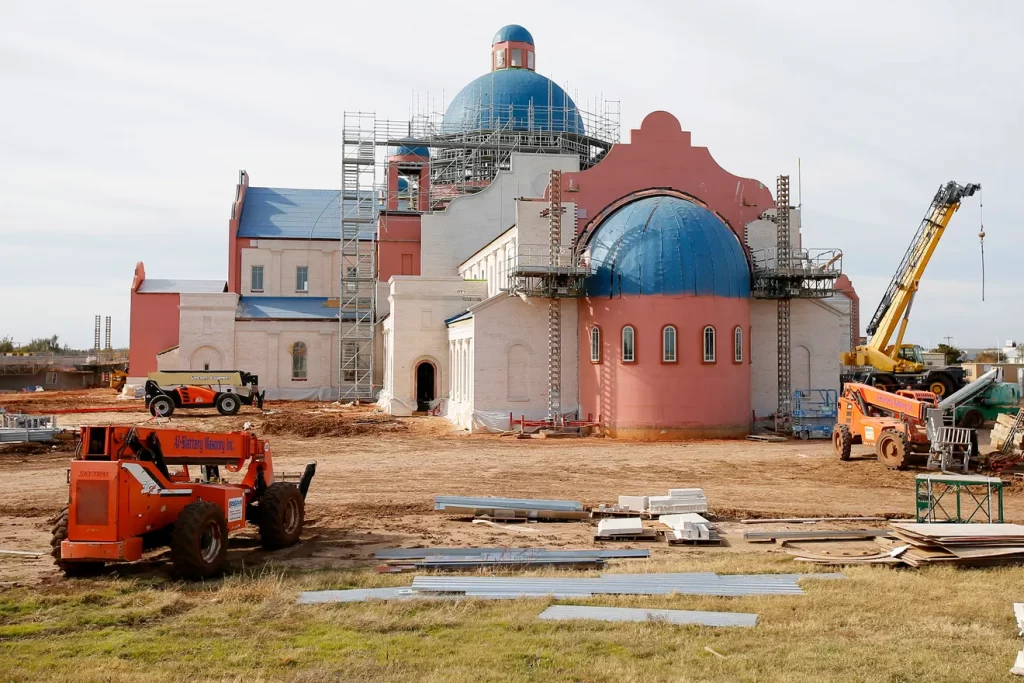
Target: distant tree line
<point>41,345</point>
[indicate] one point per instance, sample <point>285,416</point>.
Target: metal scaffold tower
<point>554,303</point>
<point>356,296</point>
<point>784,251</point>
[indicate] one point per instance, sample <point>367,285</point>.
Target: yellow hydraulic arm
<point>882,352</point>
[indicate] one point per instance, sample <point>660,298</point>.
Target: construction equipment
<point>909,422</point>
<point>893,423</point>
<point>814,413</point>
<point>131,489</point>
<point>225,390</point>
<point>118,378</point>
<point>885,361</point>
<point>1002,398</point>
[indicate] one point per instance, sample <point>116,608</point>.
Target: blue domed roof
<point>411,149</point>
<point>488,102</point>
<point>666,245</point>
<point>512,32</point>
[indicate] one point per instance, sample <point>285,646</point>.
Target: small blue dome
<point>514,33</point>
<point>511,91</point>
<point>666,245</point>
<point>411,149</point>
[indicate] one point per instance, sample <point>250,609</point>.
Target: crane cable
<point>981,238</point>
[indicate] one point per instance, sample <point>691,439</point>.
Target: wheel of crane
<point>161,406</point>
<point>281,512</point>
<point>941,385</point>
<point>885,382</point>
<point>893,450</point>
<point>842,440</point>
<point>199,541</point>
<point>228,404</point>
<point>59,534</point>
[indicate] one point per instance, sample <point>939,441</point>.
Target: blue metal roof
<point>666,245</point>
<point>488,102</point>
<point>512,32</point>
<point>283,213</point>
<point>285,308</point>
<point>152,286</point>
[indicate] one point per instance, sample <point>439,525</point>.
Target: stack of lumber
<point>1001,430</point>
<point>511,509</point>
<point>918,545</point>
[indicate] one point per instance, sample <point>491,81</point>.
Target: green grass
<point>883,624</point>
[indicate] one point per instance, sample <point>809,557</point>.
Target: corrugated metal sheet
<point>671,616</point>
<point>17,435</point>
<point>152,286</point>
<point>355,595</point>
<point>417,553</point>
<point>700,584</point>
<point>508,503</point>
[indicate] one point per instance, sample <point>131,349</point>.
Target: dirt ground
<point>376,479</point>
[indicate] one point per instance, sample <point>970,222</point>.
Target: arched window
<point>668,344</point>
<point>298,360</point>
<point>628,344</point>
<point>595,344</point>
<point>709,344</point>
<point>737,345</point>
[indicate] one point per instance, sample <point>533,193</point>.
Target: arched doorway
<point>424,385</point>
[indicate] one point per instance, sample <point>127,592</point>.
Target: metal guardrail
<point>808,263</point>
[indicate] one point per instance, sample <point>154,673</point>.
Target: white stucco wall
<point>815,332</point>
<point>462,363</point>
<point>417,332</point>
<point>280,258</point>
<point>491,263</point>
<point>264,347</point>
<point>451,236</point>
<point>206,331</point>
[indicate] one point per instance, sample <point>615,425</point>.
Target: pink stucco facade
<point>153,327</point>
<point>651,399</point>
<point>398,245</point>
<point>660,155</point>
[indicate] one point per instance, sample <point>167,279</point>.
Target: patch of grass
<point>880,624</point>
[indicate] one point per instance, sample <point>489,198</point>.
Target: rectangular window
<point>529,59</point>
<point>51,378</point>
<point>500,59</point>
<point>257,279</point>
<point>517,57</point>
<point>302,278</point>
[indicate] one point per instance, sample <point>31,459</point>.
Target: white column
<point>469,372</point>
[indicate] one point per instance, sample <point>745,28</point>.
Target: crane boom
<point>882,351</point>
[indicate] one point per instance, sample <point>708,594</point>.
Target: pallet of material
<point>817,535</point>
<point>511,509</point>
<point>422,553</point>
<point>918,545</point>
<point>1001,430</point>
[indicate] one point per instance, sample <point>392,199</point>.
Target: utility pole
<point>948,340</point>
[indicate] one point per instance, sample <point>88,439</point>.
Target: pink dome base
<point>653,400</point>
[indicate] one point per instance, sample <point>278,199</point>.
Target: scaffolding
<point>356,292</point>
<point>784,273</point>
<point>554,303</point>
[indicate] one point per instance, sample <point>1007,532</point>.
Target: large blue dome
<point>488,102</point>
<point>666,245</point>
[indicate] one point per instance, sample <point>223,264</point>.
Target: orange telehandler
<point>896,423</point>
<point>131,488</point>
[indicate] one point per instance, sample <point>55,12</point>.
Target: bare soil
<point>377,477</point>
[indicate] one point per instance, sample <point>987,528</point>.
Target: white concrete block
<point>674,521</point>
<point>634,503</point>
<point>620,527</point>
<point>686,493</point>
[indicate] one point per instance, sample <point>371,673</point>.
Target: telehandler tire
<point>70,569</point>
<point>281,512</point>
<point>161,406</point>
<point>842,440</point>
<point>199,542</point>
<point>893,450</point>
<point>228,404</point>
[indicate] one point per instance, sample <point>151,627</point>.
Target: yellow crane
<point>886,361</point>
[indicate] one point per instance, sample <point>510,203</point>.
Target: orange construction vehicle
<point>132,488</point>
<point>896,423</point>
<point>225,390</point>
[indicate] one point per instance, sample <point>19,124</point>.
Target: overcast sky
<point>123,126</point>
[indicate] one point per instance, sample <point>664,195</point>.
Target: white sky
<point>123,126</point>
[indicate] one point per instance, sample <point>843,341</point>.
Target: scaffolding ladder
<point>783,411</point>
<point>554,303</point>
<point>356,293</point>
